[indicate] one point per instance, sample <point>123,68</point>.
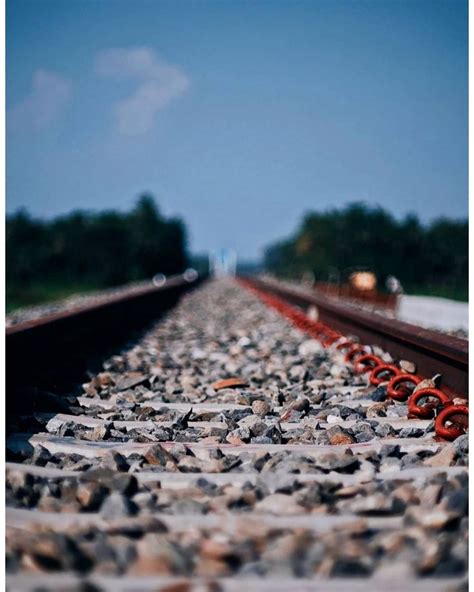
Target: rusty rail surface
<point>431,351</point>
<point>49,352</point>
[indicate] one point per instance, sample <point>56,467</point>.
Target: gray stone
<point>411,432</point>
<point>461,444</point>
<point>115,461</point>
<point>261,440</point>
<point>117,506</point>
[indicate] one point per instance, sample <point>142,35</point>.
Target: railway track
<point>226,448</point>
<point>54,350</point>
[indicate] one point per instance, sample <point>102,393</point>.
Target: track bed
<point>158,475</point>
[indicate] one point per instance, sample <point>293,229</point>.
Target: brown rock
<point>211,440</point>
<point>157,455</point>
<point>29,565</point>
<point>212,567</point>
<point>52,551</point>
<point>431,494</point>
<point>217,547</point>
<point>349,491</point>
<point>234,440</point>
<point>177,587</point>
<point>150,565</point>
<point>280,504</point>
<point>341,438</point>
<point>147,412</point>
<point>284,548</point>
<point>156,555</point>
<point>170,467</point>
<point>229,383</point>
<point>406,493</point>
<point>302,405</point>
<point>90,495</point>
<point>391,542</point>
<point>101,432</point>
<point>191,464</point>
<point>249,497</point>
<point>377,410</point>
<point>444,458</point>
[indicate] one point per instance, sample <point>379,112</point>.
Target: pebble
<point>461,444</point>
<point>444,458</point>
<point>91,495</point>
<point>363,432</point>
<point>56,551</point>
<point>261,408</point>
<point>117,505</point>
<point>379,394</point>
<point>411,432</point>
<point>310,347</point>
<point>279,504</point>
<point>407,366</point>
<point>376,410</point>
<point>157,455</point>
<point>338,436</point>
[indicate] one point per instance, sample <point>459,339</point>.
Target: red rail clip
<point>376,379</point>
<point>434,399</point>
<point>456,428</point>
<point>366,362</point>
<point>398,387</point>
<point>354,350</point>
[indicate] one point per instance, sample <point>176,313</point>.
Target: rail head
<point>76,312</point>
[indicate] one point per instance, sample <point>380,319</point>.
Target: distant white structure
<point>434,313</point>
<point>222,263</point>
<point>394,285</point>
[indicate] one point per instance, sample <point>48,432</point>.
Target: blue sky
<point>238,116</point>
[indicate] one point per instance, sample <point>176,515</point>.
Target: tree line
<point>97,250</point>
<point>429,258</point>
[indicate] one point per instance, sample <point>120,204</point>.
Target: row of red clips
<point>425,403</point>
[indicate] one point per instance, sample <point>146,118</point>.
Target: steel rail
<point>432,352</point>
<point>50,351</point>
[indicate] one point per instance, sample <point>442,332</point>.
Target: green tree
<point>358,236</point>
<point>94,249</point>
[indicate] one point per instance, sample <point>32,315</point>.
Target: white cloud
<point>159,84</point>
<point>46,101</point>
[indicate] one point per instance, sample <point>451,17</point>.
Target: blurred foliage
<point>96,250</point>
<point>334,243</point>
<point>200,262</point>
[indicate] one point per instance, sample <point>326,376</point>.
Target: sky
<point>239,116</point>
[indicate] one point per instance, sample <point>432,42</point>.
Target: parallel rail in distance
<point>84,312</point>
<point>432,352</point>
<point>50,351</point>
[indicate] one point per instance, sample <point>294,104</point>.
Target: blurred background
<point>311,140</point>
